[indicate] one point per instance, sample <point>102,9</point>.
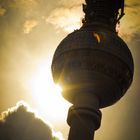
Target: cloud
<point>20,123</point>
<point>132,4</point>
<point>2,11</point>
<point>66,18</point>
<point>19,12</point>
<point>29,25</point>
<point>71,3</point>
<point>130,23</point>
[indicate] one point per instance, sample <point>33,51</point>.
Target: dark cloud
<point>20,124</point>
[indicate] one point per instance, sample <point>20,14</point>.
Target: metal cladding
<point>94,60</point>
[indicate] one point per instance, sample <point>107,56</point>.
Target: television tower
<point>94,67</point>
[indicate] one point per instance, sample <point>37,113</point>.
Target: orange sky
<point>30,31</point>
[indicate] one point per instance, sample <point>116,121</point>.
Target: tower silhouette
<point>94,66</point>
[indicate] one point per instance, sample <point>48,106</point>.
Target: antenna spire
<point>108,12</point>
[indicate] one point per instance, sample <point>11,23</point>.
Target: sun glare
<point>48,95</point>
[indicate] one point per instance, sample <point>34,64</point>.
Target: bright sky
<point>30,32</point>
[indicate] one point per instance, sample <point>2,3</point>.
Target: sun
<point>47,95</point>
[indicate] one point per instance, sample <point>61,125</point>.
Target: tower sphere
<point>94,61</point>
